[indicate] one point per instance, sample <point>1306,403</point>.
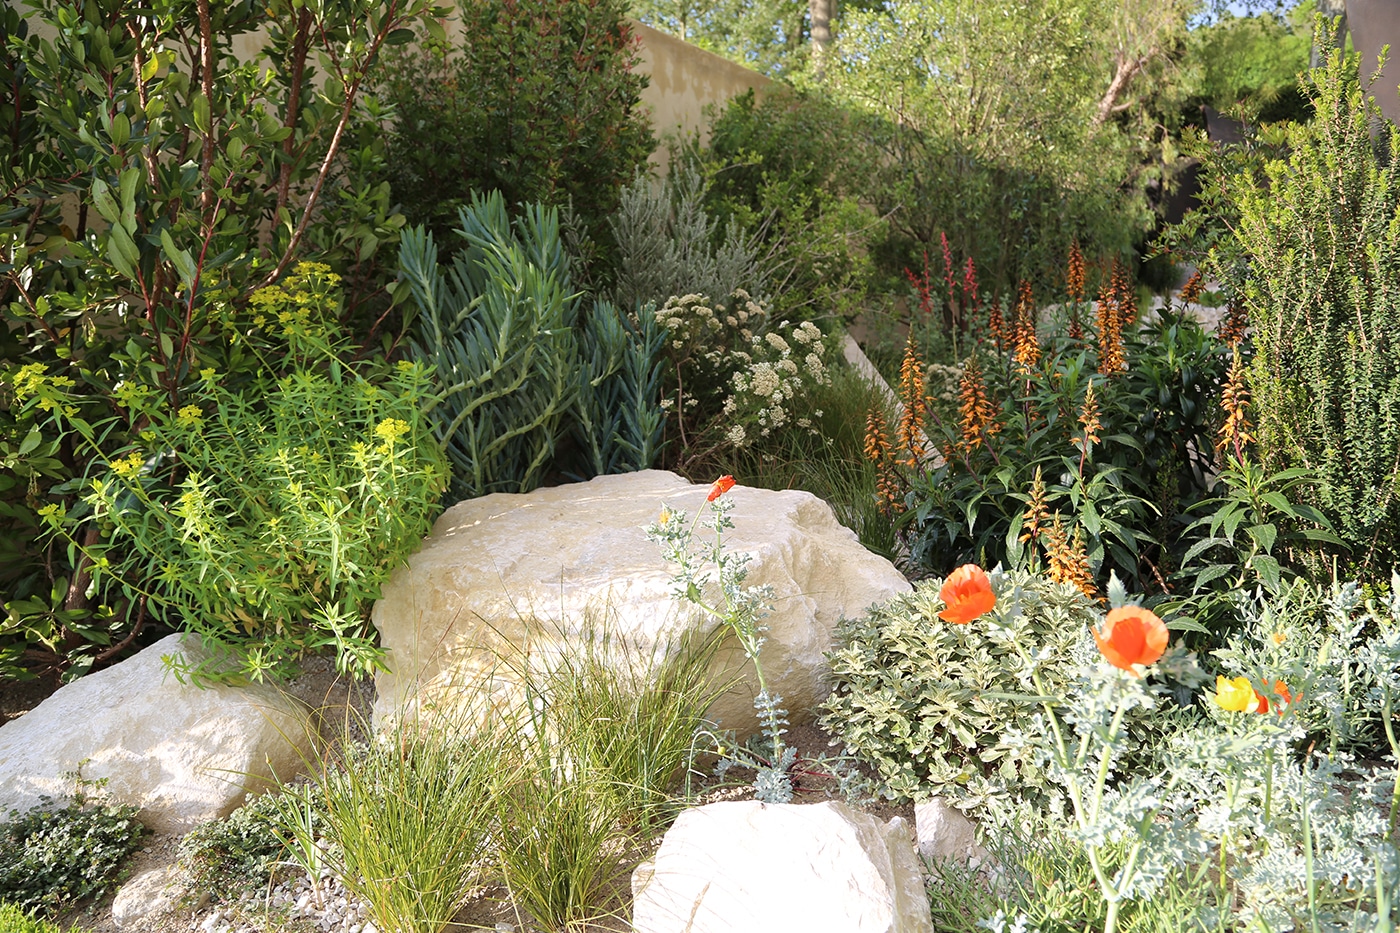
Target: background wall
<point>684,81</point>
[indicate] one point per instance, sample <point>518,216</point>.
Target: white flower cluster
<point>749,378</point>
<point>769,391</point>
<point>942,382</point>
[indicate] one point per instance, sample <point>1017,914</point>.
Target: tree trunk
<point>821,12</point>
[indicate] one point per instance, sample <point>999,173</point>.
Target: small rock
<point>945,833</point>
<point>152,892</point>
<point>742,866</point>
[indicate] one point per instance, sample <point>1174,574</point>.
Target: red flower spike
<point>967,593</point>
<point>720,487</point>
<point>1131,636</point>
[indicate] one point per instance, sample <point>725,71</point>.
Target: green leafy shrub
<point>792,167</point>
<point>927,703</point>
<point>55,856</point>
<point>537,99</point>
<point>242,851</point>
<point>1320,231</point>
<point>15,920</point>
<point>142,204</point>
<point>1118,465</point>
<point>266,516</point>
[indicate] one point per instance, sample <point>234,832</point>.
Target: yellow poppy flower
<point>1235,695</point>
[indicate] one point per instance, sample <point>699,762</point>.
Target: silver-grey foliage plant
<point>668,244</point>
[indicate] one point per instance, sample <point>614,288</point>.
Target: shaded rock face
<point>747,866</point>
<point>505,571</point>
<point>182,754</point>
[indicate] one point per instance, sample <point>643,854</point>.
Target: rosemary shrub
<point>1321,231</point>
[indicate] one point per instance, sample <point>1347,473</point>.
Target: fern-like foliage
<point>1321,229</point>
<point>497,327</point>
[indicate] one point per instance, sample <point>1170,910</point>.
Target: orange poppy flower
<point>1131,635</point>
<point>967,593</point>
<point>720,487</point>
<point>1280,690</point>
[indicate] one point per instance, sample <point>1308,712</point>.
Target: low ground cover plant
<point>57,855</point>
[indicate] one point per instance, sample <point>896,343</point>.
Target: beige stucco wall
<point>685,80</point>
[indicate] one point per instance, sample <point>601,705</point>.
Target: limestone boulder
<point>747,866</point>
<point>182,754</point>
<point>946,834</point>
<point>539,570</point>
<point>153,893</point>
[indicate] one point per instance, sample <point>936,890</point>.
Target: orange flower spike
<point>968,595</point>
<point>720,487</point>
<point>1074,277</point>
<point>1131,636</point>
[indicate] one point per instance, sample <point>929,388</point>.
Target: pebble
<point>326,904</point>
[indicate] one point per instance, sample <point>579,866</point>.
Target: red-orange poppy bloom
<point>1131,635</point>
<point>1280,690</point>
<point>720,487</point>
<point>967,593</point>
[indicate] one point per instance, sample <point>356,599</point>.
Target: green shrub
<point>793,167</point>
<point>1020,446</point>
<point>242,851</point>
<point>928,703</point>
<point>538,99</point>
<point>15,920</point>
<point>1321,230</point>
<point>142,206</point>
<point>266,516</point>
<point>497,330</point>
<point>54,856</point>
<point>618,421</point>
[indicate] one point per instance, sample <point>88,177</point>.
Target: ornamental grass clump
<point>410,818</point>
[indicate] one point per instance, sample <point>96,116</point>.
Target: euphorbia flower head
<point>720,487</point>
<point>1131,636</point>
<point>967,593</point>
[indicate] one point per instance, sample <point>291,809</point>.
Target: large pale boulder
<point>747,866</point>
<point>182,754</point>
<point>538,570</point>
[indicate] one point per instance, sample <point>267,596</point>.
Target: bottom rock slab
<point>747,866</point>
